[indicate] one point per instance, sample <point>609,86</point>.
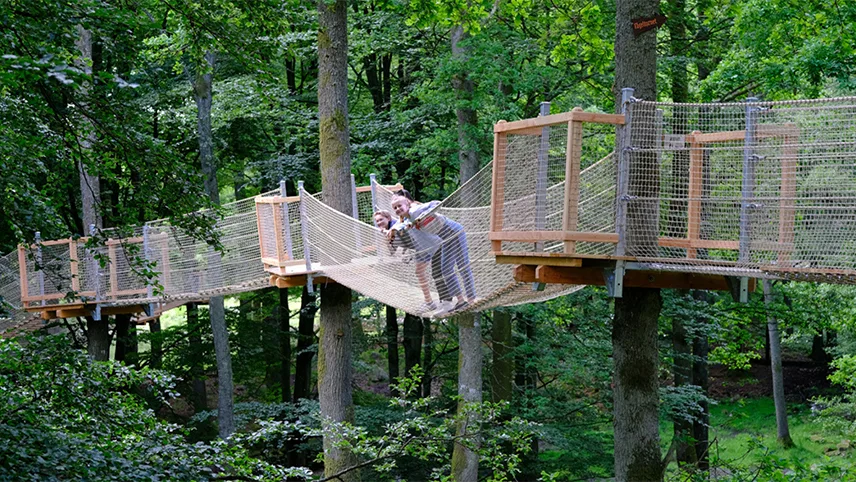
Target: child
<point>425,245</point>
<point>454,252</point>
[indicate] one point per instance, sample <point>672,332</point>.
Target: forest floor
<point>803,380</point>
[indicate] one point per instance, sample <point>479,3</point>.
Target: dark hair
<point>404,193</point>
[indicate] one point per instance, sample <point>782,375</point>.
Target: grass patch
<point>743,435</point>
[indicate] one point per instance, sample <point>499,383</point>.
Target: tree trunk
<point>305,340</point>
<point>202,94</point>
<point>126,340</point>
<point>412,343</point>
<point>701,379</point>
<point>783,434</point>
<point>98,338</point>
<point>683,359</point>
<point>465,461</point>
<point>467,118</point>
<point>285,345</point>
<point>197,377</point>
<point>634,333</point>
<point>392,346</point>
<point>503,363</point>
<point>156,343</point>
<point>427,355</point>
<point>90,189</point>
<point>335,374</point>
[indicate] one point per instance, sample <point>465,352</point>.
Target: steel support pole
<point>747,190</point>
<point>96,275</point>
<point>622,189</point>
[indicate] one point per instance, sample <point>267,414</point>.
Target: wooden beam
<point>497,193</point>
<point>598,118</point>
<point>573,157</point>
<point>528,260</point>
<point>297,280</point>
<point>633,278</point>
<point>555,119</point>
<point>535,236</point>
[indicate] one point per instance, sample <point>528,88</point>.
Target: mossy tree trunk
<point>634,333</point>
<point>335,371</point>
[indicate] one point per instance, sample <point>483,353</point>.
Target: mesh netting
<point>358,255</point>
<point>761,189</point>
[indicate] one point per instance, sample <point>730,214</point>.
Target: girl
<point>425,245</point>
<point>454,252</point>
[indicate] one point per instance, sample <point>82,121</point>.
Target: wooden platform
<point>78,309</point>
<point>592,276</point>
<point>295,280</point>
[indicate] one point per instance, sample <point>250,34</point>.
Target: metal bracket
<point>614,278</point>
<point>739,288</point>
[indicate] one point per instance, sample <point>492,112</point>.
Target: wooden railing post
<point>500,143</point>
<point>787,208</point>
<point>573,157</point>
<point>695,192</point>
<point>73,265</point>
<point>22,271</point>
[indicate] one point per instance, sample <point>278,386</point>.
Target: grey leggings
<point>454,253</point>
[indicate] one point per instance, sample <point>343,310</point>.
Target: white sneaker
<point>446,307</point>
<point>426,307</point>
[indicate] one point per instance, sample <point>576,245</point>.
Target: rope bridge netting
<point>185,267</point>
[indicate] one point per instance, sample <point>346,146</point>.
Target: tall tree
<point>503,362</point>
<point>202,94</point>
<point>783,434</point>
<point>335,371</point>
<point>634,331</point>
<point>305,340</point>
<point>392,346</point>
<point>465,460</point>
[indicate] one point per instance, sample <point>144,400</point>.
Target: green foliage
<point>66,417</point>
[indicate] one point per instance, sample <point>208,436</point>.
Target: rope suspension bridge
<point>703,196</point>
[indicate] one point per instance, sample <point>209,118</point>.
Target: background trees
<point>420,112</point>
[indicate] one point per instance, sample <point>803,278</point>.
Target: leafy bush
<point>66,417</point>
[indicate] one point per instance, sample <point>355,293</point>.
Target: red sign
<point>641,25</point>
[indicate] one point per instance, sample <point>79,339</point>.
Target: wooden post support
<point>22,270</point>
<point>695,193</point>
<point>787,210</point>
<point>286,220</point>
<point>500,143</point>
<point>279,246</point>
<point>114,276</point>
<point>73,264</point>
<point>573,157</point>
